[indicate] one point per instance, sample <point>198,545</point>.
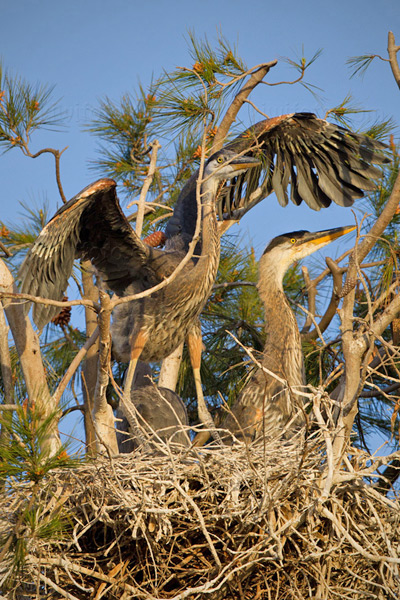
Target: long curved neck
<point>282,352</point>
<point>209,237</point>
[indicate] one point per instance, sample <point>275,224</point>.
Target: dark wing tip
<point>322,162</point>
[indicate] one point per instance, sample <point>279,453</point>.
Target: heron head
<point>290,247</point>
<point>226,164</point>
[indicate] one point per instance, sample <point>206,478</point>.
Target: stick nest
<point>271,521</point>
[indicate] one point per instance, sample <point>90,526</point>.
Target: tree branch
<point>28,348</point>
<point>231,114</point>
<point>392,51</point>
<point>57,155</point>
<point>102,412</point>
<point>373,235</point>
<point>5,359</point>
<point>89,368</point>
<point>333,304</point>
<point>7,377</point>
<point>311,294</point>
<point>146,185</point>
<point>73,366</point>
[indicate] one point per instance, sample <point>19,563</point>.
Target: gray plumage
<point>266,404</point>
<point>161,415</point>
<point>303,158</point>
<point>319,162</point>
<point>93,226</point>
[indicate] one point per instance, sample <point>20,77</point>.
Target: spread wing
<point>321,162</point>
<point>93,226</point>
<point>303,157</point>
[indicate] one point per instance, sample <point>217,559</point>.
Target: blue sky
<point>92,49</point>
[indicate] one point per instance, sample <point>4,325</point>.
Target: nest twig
<point>231,522</point>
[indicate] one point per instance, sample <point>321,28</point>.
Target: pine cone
<point>155,239</point>
<point>64,316</point>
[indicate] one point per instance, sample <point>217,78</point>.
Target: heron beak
<point>244,162</point>
<point>321,238</point>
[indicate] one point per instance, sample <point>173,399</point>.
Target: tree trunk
<point>89,371</point>
<point>170,369</point>
<point>28,348</point>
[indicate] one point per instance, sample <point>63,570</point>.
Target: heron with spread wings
<point>303,159</point>
<point>93,226</point>
<point>319,162</point>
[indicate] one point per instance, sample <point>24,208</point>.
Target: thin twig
<point>146,185</point>
<point>73,366</point>
<point>57,155</point>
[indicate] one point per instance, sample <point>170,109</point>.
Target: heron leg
<point>137,345</point>
<point>194,342</point>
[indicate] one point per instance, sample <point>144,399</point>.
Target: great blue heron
<point>267,403</point>
<point>92,225</point>
<point>161,415</point>
<point>321,163</point>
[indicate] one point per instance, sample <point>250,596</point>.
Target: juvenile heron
<point>302,158</point>
<point>321,162</point>
<point>161,415</point>
<point>267,403</point>
<point>93,226</point>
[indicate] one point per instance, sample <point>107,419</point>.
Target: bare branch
<point>73,366</point>
<point>146,185</point>
<point>311,290</point>
<point>263,114</point>
<point>380,391</point>
<point>374,233</point>
<point>5,359</point>
<point>89,368</point>
<point>333,304</point>
<point>170,369</point>
<point>102,411</point>
<point>5,250</point>
<point>230,115</point>
<point>15,295</point>
<point>233,284</point>
<point>57,155</point>
<point>392,51</point>
<point>28,348</point>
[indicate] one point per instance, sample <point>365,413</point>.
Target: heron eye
<point>220,160</point>
<point>293,241</point>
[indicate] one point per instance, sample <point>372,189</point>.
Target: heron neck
<point>209,237</point>
<point>282,351</point>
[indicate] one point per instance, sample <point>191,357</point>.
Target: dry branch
<point>102,412</point>
<point>225,523</point>
<point>146,186</point>
<point>89,370</point>
<point>392,51</point>
<point>28,348</point>
<point>255,78</point>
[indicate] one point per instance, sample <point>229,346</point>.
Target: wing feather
<point>323,162</point>
<point>92,226</point>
